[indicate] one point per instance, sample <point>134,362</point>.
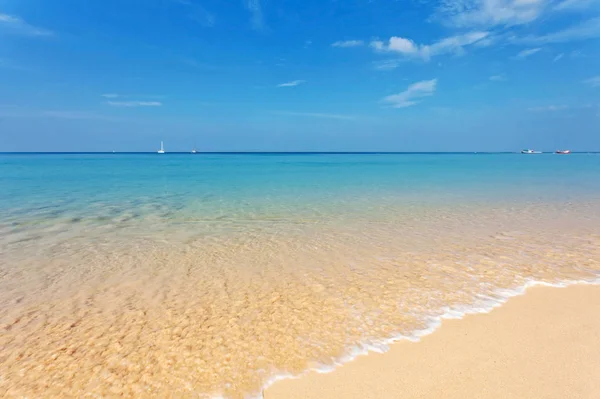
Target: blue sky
<point>275,75</point>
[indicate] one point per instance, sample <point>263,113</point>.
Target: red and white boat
<point>563,151</point>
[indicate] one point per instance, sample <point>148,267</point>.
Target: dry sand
<point>545,344</point>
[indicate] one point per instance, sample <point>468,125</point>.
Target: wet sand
<point>545,344</point>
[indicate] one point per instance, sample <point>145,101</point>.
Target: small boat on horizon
<point>563,151</point>
<point>194,150</point>
<point>530,152</point>
<point>162,148</point>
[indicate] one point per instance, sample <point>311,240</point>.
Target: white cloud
<point>528,52</point>
<point>9,19</point>
<point>499,78</point>
<point>387,65</point>
<point>573,5</point>
<point>498,13</point>
<point>257,19</point>
<point>489,13</point>
<point>397,44</point>
<point>589,29</point>
<point>317,115</point>
<point>16,25</point>
<point>414,92</point>
<point>135,103</point>
<point>348,43</point>
<point>558,57</point>
<point>110,95</point>
<point>488,41</point>
<point>408,48</point>
<point>594,82</point>
<point>292,83</point>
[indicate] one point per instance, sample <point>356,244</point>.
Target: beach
<point>291,200</point>
<point>544,344</point>
<point>141,275</point>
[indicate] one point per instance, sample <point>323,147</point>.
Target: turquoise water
<point>207,185</point>
<point>214,274</point>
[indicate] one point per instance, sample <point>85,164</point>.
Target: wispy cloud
<point>410,49</point>
<point>137,97</point>
<point>549,108</point>
<point>15,25</point>
<point>198,13</point>
<point>292,83</point>
<point>257,19</point>
<point>528,52</point>
<point>573,4</point>
<point>589,29</point>
<point>594,82</point>
<point>317,115</point>
<point>498,13</point>
<point>387,65</point>
<point>415,91</point>
<point>558,57</point>
<point>203,17</point>
<point>135,103</point>
<point>489,13</point>
<point>348,43</point>
<point>563,107</point>
<point>499,78</point>
<point>576,54</point>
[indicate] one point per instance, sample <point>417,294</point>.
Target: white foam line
<point>484,304</point>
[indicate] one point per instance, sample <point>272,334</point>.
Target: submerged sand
<point>545,344</point>
<point>148,309</point>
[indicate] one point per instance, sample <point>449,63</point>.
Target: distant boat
<point>162,148</point>
<point>563,151</point>
<point>194,150</point>
<point>530,152</point>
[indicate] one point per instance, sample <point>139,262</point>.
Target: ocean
<point>213,275</point>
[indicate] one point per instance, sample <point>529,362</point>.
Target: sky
<point>290,75</point>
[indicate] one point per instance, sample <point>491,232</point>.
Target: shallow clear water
<point>211,274</point>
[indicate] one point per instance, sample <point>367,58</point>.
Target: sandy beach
<point>544,344</point>
<point>218,281</point>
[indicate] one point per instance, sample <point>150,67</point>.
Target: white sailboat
<point>162,148</point>
<point>530,152</point>
<point>194,150</point>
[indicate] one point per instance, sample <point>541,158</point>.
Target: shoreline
<point>376,375</point>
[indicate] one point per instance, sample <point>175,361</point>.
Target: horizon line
<point>276,152</point>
